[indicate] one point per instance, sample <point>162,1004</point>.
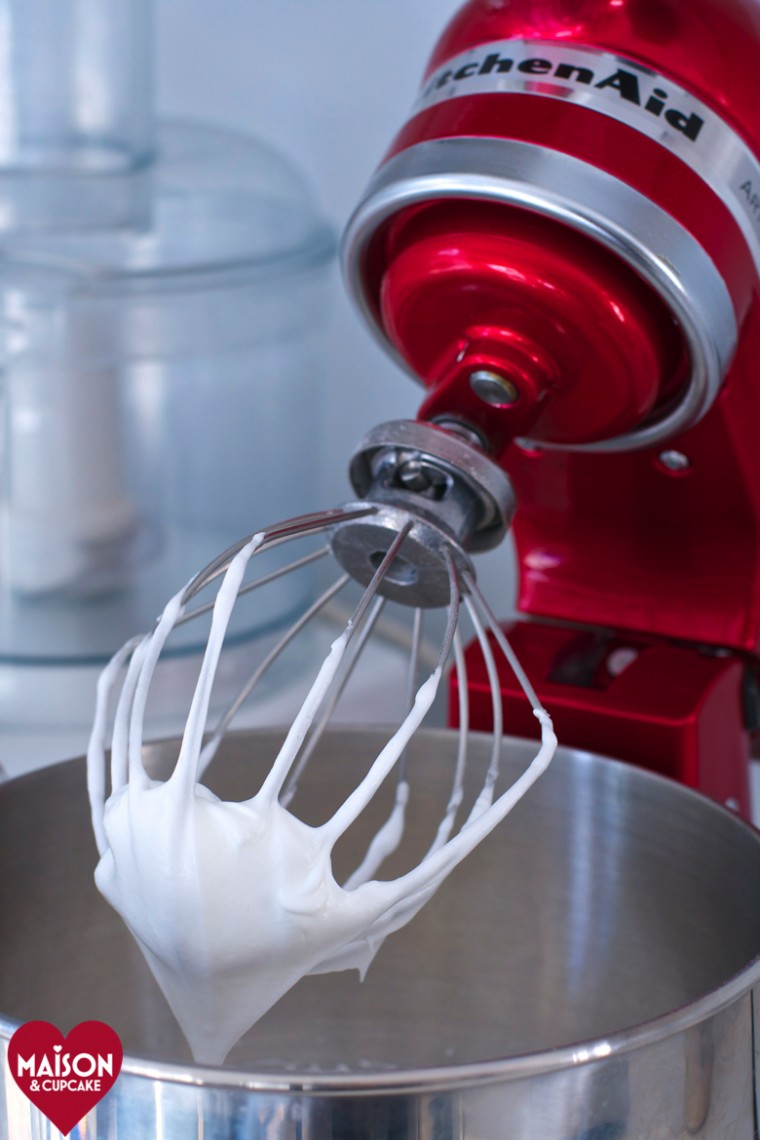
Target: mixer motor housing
<point>563,246</point>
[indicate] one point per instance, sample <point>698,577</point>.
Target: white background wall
<point>329,82</point>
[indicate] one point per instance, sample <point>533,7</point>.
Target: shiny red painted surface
<point>604,541</point>
<point>620,541</point>
<point>604,143</point>
<point>589,347</point>
<point>707,46</point>
<point>673,710</point>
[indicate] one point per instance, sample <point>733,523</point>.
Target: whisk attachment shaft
<point>458,499</point>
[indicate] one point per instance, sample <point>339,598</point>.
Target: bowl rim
<point>472,1073</point>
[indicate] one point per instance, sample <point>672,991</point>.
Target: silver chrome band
<point>620,89</point>
<point>647,238</point>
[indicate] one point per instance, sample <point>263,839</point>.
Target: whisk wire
<point>188,761</point>
<point>273,784</point>
<point>456,795</point>
<point>291,784</point>
<point>501,640</point>
<point>96,768</point>
<point>273,536</point>
<point>415,887</point>
<point>387,758</point>
<point>248,587</point>
<point>411,684</point>
<point>135,696</point>
<point>485,798</point>
<point>212,746</point>
<point>427,875</point>
<point>387,839</point>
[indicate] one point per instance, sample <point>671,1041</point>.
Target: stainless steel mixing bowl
<point>588,974</point>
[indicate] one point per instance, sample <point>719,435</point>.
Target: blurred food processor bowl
<point>164,289</point>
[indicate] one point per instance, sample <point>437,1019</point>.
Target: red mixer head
<point>563,246</point>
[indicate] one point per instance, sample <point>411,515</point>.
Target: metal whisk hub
<point>419,574</point>
<point>435,488</point>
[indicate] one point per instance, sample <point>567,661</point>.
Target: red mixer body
<point>563,246</point>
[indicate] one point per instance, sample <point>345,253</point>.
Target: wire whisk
<point>412,556</point>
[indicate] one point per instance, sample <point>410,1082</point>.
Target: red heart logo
<point>64,1077</point>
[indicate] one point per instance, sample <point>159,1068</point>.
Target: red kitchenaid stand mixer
<point>563,245</point>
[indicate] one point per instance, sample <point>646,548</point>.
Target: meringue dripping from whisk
<point>232,903</point>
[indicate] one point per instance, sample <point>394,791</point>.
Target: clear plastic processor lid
<point>162,386</point>
<point>163,299</point>
<point>213,201</point>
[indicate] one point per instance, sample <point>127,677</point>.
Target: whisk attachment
<point>174,858</point>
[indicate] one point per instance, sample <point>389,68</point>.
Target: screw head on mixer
<point>493,389</point>
<point>675,461</point>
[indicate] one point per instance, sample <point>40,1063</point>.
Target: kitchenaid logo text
<point>597,79</point>
<point>752,196</point>
<point>620,89</point>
